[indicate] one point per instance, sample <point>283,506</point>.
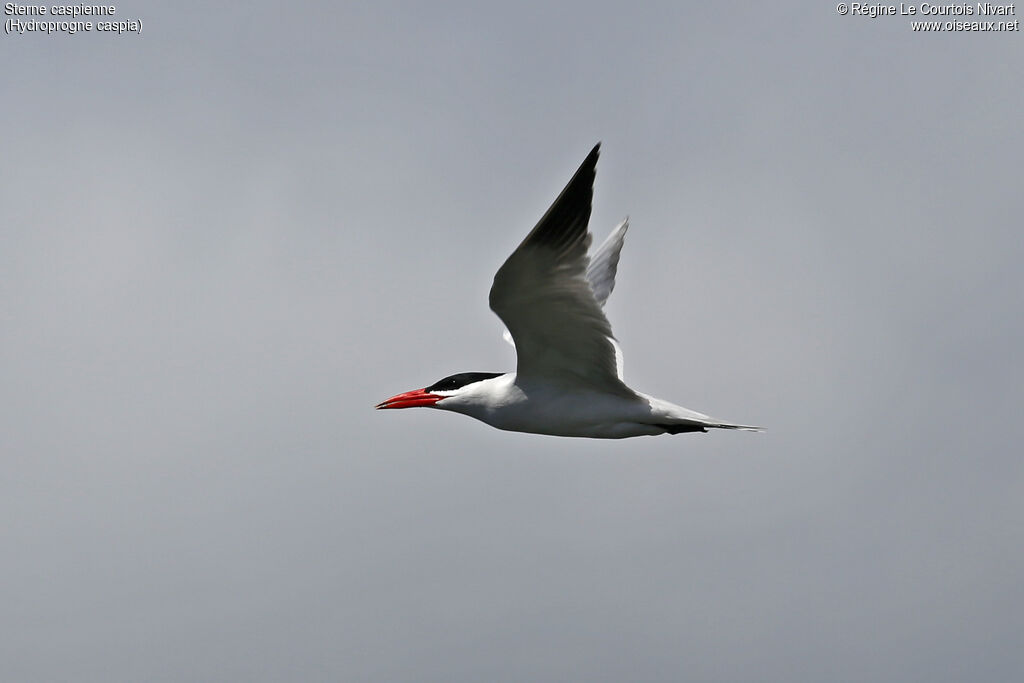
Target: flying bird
<point>568,378</point>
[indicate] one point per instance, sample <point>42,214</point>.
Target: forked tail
<point>742,428</point>
<point>687,427</point>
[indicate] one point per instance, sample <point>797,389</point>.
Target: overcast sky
<point>223,240</point>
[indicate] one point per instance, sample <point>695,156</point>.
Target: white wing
<point>543,295</point>
<point>601,273</point>
<point>605,262</point>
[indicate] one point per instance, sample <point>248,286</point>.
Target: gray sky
<point>223,240</point>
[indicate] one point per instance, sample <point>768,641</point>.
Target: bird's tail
<point>678,420</point>
<point>688,426</point>
<point>742,428</point>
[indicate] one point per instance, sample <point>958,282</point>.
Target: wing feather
<point>543,295</point>
<point>605,263</point>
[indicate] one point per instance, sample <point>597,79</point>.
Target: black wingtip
<point>565,222</point>
<point>589,165</point>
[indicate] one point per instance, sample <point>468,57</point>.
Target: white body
<point>506,403</point>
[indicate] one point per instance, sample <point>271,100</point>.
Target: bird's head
<point>453,387</point>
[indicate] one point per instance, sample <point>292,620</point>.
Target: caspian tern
<point>568,379</point>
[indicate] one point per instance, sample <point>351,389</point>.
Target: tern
<point>568,378</point>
